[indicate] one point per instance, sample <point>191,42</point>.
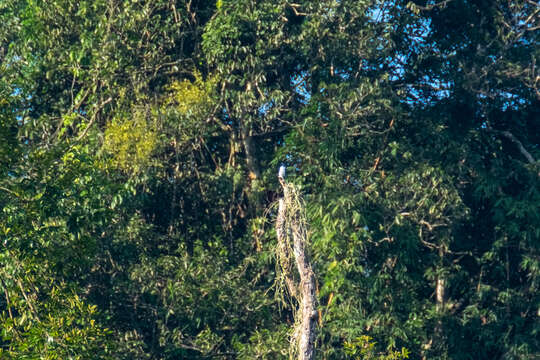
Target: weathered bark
<point>440,289</point>
<point>283,249</point>
<point>440,286</point>
<point>290,225</point>
<point>306,332</point>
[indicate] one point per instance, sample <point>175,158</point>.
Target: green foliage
<point>139,143</point>
<point>65,328</point>
<point>130,142</point>
<point>364,348</point>
<point>190,97</point>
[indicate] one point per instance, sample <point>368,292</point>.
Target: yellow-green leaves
<point>130,142</point>
<point>364,348</point>
<point>192,97</point>
<point>188,108</point>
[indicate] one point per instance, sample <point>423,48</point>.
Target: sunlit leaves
<point>363,348</point>
<point>192,97</point>
<point>131,141</point>
<point>127,201</point>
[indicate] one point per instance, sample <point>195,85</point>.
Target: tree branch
<point>511,137</point>
<point>83,134</point>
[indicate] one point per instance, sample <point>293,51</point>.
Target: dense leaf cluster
<point>139,147</point>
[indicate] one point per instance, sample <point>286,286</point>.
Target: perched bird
<point>281,173</point>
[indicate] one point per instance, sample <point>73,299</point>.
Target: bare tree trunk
<point>284,249</point>
<point>440,289</point>
<point>440,286</point>
<point>306,335</point>
<point>291,226</point>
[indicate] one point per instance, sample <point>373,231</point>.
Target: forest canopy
<point>140,142</point>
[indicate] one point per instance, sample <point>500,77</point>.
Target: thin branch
<point>19,284</point>
<point>7,299</point>
<point>295,8</point>
<point>507,134</point>
<point>10,191</point>
<point>209,152</point>
<point>83,134</point>
<point>520,146</point>
<point>430,226</point>
<point>531,17</point>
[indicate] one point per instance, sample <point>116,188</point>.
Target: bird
<point>281,172</point>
